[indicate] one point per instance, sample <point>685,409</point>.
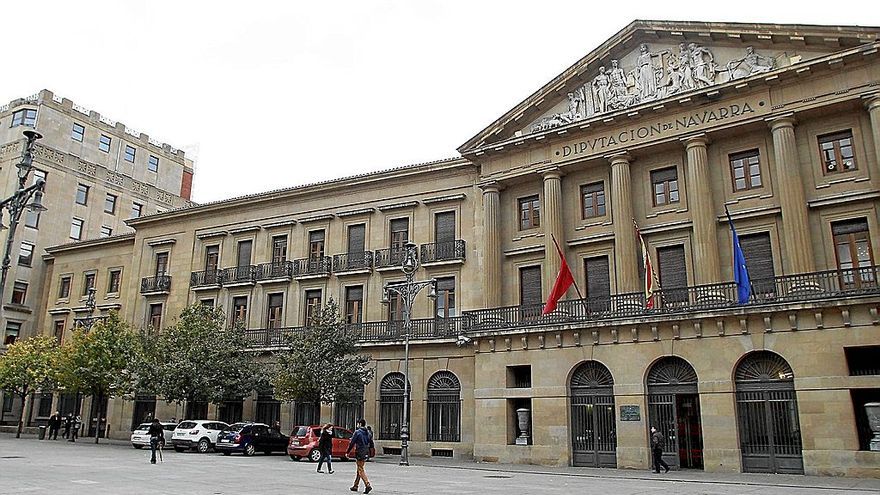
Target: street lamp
<point>87,321</point>
<point>406,292</point>
<point>24,198</point>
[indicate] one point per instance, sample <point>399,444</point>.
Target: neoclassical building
<point>665,125</point>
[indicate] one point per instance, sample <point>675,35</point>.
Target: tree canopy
<point>29,365</point>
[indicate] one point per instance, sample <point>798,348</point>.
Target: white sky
<point>276,95</point>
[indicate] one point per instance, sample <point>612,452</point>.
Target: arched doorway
<point>674,409</point>
<point>391,406</point>
<point>444,407</point>
<point>767,413</point>
<point>593,430</point>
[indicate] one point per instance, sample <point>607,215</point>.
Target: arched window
<point>674,409</point>
<point>444,407</point>
<point>391,406</point>
<point>592,427</point>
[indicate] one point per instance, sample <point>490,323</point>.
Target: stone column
<point>492,247</point>
<point>626,264</point>
<point>707,265</point>
<point>553,226</point>
<point>795,216</point>
<point>872,103</point>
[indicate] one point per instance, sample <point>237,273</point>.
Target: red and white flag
<point>652,283</point>
<point>563,282</point>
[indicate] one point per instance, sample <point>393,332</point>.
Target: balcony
<point>160,284</point>
<point>207,279</point>
<point>239,275</point>
<point>443,251</point>
<point>390,257</point>
<point>352,262</point>
<point>313,267</point>
<point>272,272</point>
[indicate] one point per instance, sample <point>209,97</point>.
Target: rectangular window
<point>82,194</point>
<point>759,261</point>
<point>313,305</point>
<point>76,227</point>
<point>137,210</point>
<point>274,316</point>
<point>78,132</point>
<point>155,321</point>
<point>593,200</point>
<point>104,143</point>
<point>212,258</point>
<point>745,170</point>
<point>153,164</point>
<point>530,297</point>
<point>395,307</point>
<point>855,260</point>
<point>161,264</point>
<point>207,302</point>
<point>59,330</point>
<point>665,185</point>
<point>598,283</point>
<point>19,292</point>
<point>129,153</point>
<point>399,233</point>
<point>244,252</point>
<point>12,330</point>
<point>64,288</point>
<point>357,238</point>
<point>354,304</point>
<point>529,213</point>
<point>316,244</point>
<point>279,249</point>
<point>673,274</point>
<point>106,231</point>
<point>26,254</point>
<point>26,117</point>
<point>239,310</point>
<point>444,305</point>
<point>110,204</point>
<point>444,227</point>
<point>88,283</point>
<point>863,360</point>
<point>115,281</point>
<point>837,152</point>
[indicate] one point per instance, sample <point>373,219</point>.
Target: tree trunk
<point>97,409</point>
<point>21,416</point>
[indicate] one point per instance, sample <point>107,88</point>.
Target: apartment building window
<point>279,249</point>
<point>64,287</point>
<point>598,283</point>
<point>59,330</point>
<point>137,210</point>
<point>110,204</point>
<point>104,143</point>
<point>399,234</point>
<point>153,163</point>
<point>244,252</point>
<point>313,305</point>
<point>745,170</point>
<point>129,153</point>
<point>26,254</point>
<point>155,317</point>
<point>530,291</point>
<point>357,238</point>
<point>82,194</point>
<point>852,247</point>
<point>88,283</point>
<point>76,227</point>
<point>26,117</point>
<point>239,310</point>
<point>759,261</point>
<point>316,244</point>
<point>444,227</point>
<point>78,132</point>
<point>593,200</point>
<point>673,273</point>
<point>395,307</point>
<point>106,231</point>
<point>212,257</point>
<point>115,281</point>
<point>19,293</point>
<point>837,152</point>
<point>354,304</point>
<point>529,213</point>
<point>274,316</point>
<point>12,331</point>
<point>207,302</point>
<point>665,186</point>
<point>161,264</point>
<point>444,305</point>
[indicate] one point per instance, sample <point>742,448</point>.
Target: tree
<point>321,363</point>
<point>98,361</point>
<point>28,365</point>
<point>199,358</point>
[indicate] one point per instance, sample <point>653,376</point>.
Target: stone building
<point>665,125</point>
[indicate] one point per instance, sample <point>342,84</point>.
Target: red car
<point>304,442</point>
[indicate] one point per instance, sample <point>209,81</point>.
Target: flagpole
<point>573,281</point>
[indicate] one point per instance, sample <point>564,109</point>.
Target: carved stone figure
<point>620,96</point>
<point>647,75</point>
<point>601,90</point>
<point>681,76</point>
<point>703,65</point>
<point>751,63</point>
<point>576,105</point>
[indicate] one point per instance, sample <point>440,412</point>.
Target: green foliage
<point>29,365</point>
<point>321,362</point>
<point>199,358</point>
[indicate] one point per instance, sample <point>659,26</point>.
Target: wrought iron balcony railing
<point>352,261</point>
<point>239,274</point>
<point>206,278</point>
<point>274,271</point>
<point>159,283</point>
<point>388,257</point>
<point>443,251</point>
<point>313,266</point>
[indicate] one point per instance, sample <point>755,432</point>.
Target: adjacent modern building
<point>666,126</point>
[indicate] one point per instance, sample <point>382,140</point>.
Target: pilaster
<point>492,253</point>
<point>707,265</point>
<point>553,226</point>
<point>625,260</point>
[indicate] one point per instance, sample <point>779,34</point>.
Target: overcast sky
<point>268,95</point>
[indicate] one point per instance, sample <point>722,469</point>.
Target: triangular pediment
<point>649,62</point>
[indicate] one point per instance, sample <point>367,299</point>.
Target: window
<point>391,406</point>
<point>598,283</point>
<point>59,330</point>
<point>313,305</point>
<point>26,254</point>
<point>244,252</point>
<point>106,231</point>
<point>759,261</point>
<point>357,238</point>
<point>530,285</point>
<point>207,302</point>
<point>110,204</point>
<point>863,360</point>
<point>239,310</point>
<point>665,185</point>
<point>837,152</point>
<point>354,304</point>
<point>88,283</point>
<point>673,274</point>
<point>12,330</point>
<point>19,292</point>
<point>129,153</point>
<point>153,163</point>
<point>745,170</point>
<point>212,258</point>
<point>445,302</point>
<point>115,281</point>
<point>444,227</point>
<point>82,194</point>
<point>76,226</point>
<point>137,210</point>
<point>155,317</point>
<point>104,143</point>
<point>399,234</point>
<point>529,213</point>
<point>316,244</point>
<point>274,314</point>
<point>26,117</point>
<point>64,287</point>
<point>593,200</point>
<point>279,249</point>
<point>444,407</point>
<point>161,264</point>
<point>852,245</point>
<point>78,132</point>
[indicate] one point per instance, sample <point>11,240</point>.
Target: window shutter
<point>354,293</point>
<point>673,271</point>
<point>849,226</point>
<point>664,174</point>
<point>598,278</point>
<point>316,236</point>
<point>444,227</point>
<point>244,253</point>
<point>759,255</point>
<point>356,238</point>
<point>530,285</point>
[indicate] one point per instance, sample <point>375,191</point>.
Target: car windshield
<point>300,431</point>
<point>186,424</point>
<point>143,426</point>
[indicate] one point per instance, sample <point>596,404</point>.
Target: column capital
<point>551,173</point>
<point>701,140</point>
<point>490,187</point>
<point>619,158</point>
<point>781,121</point>
<point>872,101</point>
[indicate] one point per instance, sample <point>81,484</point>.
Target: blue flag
<point>740,271</point>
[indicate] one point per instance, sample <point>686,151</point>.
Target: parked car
<point>199,434</point>
<point>140,436</point>
<point>304,442</point>
<point>250,438</point>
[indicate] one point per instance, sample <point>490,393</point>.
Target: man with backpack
<point>361,442</point>
<point>657,441</point>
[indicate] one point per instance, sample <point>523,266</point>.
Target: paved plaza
<point>58,467</point>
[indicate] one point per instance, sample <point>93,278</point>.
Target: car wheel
<point>204,445</point>
<point>294,458</point>
<point>137,446</point>
<point>250,450</point>
<point>179,449</point>
<point>227,453</point>
<point>315,455</point>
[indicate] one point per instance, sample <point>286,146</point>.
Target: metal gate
<point>593,428</point>
<point>674,409</point>
<point>767,414</point>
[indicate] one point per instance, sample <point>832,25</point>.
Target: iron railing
<point>321,265</point>
<point>159,283</point>
<point>276,270</point>
<point>352,261</point>
<point>206,278</point>
<point>384,258</point>
<point>239,274</point>
<point>443,251</point>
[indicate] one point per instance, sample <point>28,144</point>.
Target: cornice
<point>398,206</point>
<point>100,241</point>
<point>358,211</point>
<point>317,218</point>
<point>444,199</point>
<point>241,230</point>
<point>209,235</point>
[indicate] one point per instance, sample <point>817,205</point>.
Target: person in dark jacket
<point>54,426</point>
<point>361,442</point>
<point>657,450</point>
<point>68,421</point>
<point>157,438</point>
<point>75,425</point>
<point>325,447</point>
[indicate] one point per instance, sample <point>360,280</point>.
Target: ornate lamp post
<point>20,201</point>
<point>406,292</point>
<point>87,321</point>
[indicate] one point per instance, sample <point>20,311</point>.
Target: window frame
<point>19,293</point>
<point>26,260</point>
<point>154,318</point>
<point>106,231</point>
<point>114,278</point>
<point>104,146</point>
<point>64,286</point>
<point>89,276</point>
<point>129,151</point>
<point>274,314</point>
<point>25,117</point>
<point>153,164</point>
<point>835,138</point>
<point>595,195</point>
<point>857,271</point>
<point>239,311</point>
<point>312,304</point>
<point>82,191</point>
<point>81,132</point>
<point>529,218</point>
<point>744,157</point>
<point>667,188</point>
<point>354,308</point>
<point>135,206</point>
<point>79,224</point>
<point>112,202</point>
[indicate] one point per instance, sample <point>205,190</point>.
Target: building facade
<point>666,125</point>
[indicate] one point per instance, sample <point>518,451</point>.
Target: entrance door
<point>674,409</point>
<point>767,413</point>
<point>144,410</point>
<point>593,428</point>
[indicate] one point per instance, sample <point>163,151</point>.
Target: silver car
<point>140,436</point>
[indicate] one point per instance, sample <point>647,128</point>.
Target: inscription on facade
<point>630,413</point>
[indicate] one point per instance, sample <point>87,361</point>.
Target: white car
<point>140,436</point>
<point>199,434</point>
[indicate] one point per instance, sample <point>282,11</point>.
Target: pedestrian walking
<point>157,439</point>
<point>54,425</point>
<point>361,442</point>
<point>657,440</point>
<point>75,425</point>
<point>325,447</point>
<point>67,422</point>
